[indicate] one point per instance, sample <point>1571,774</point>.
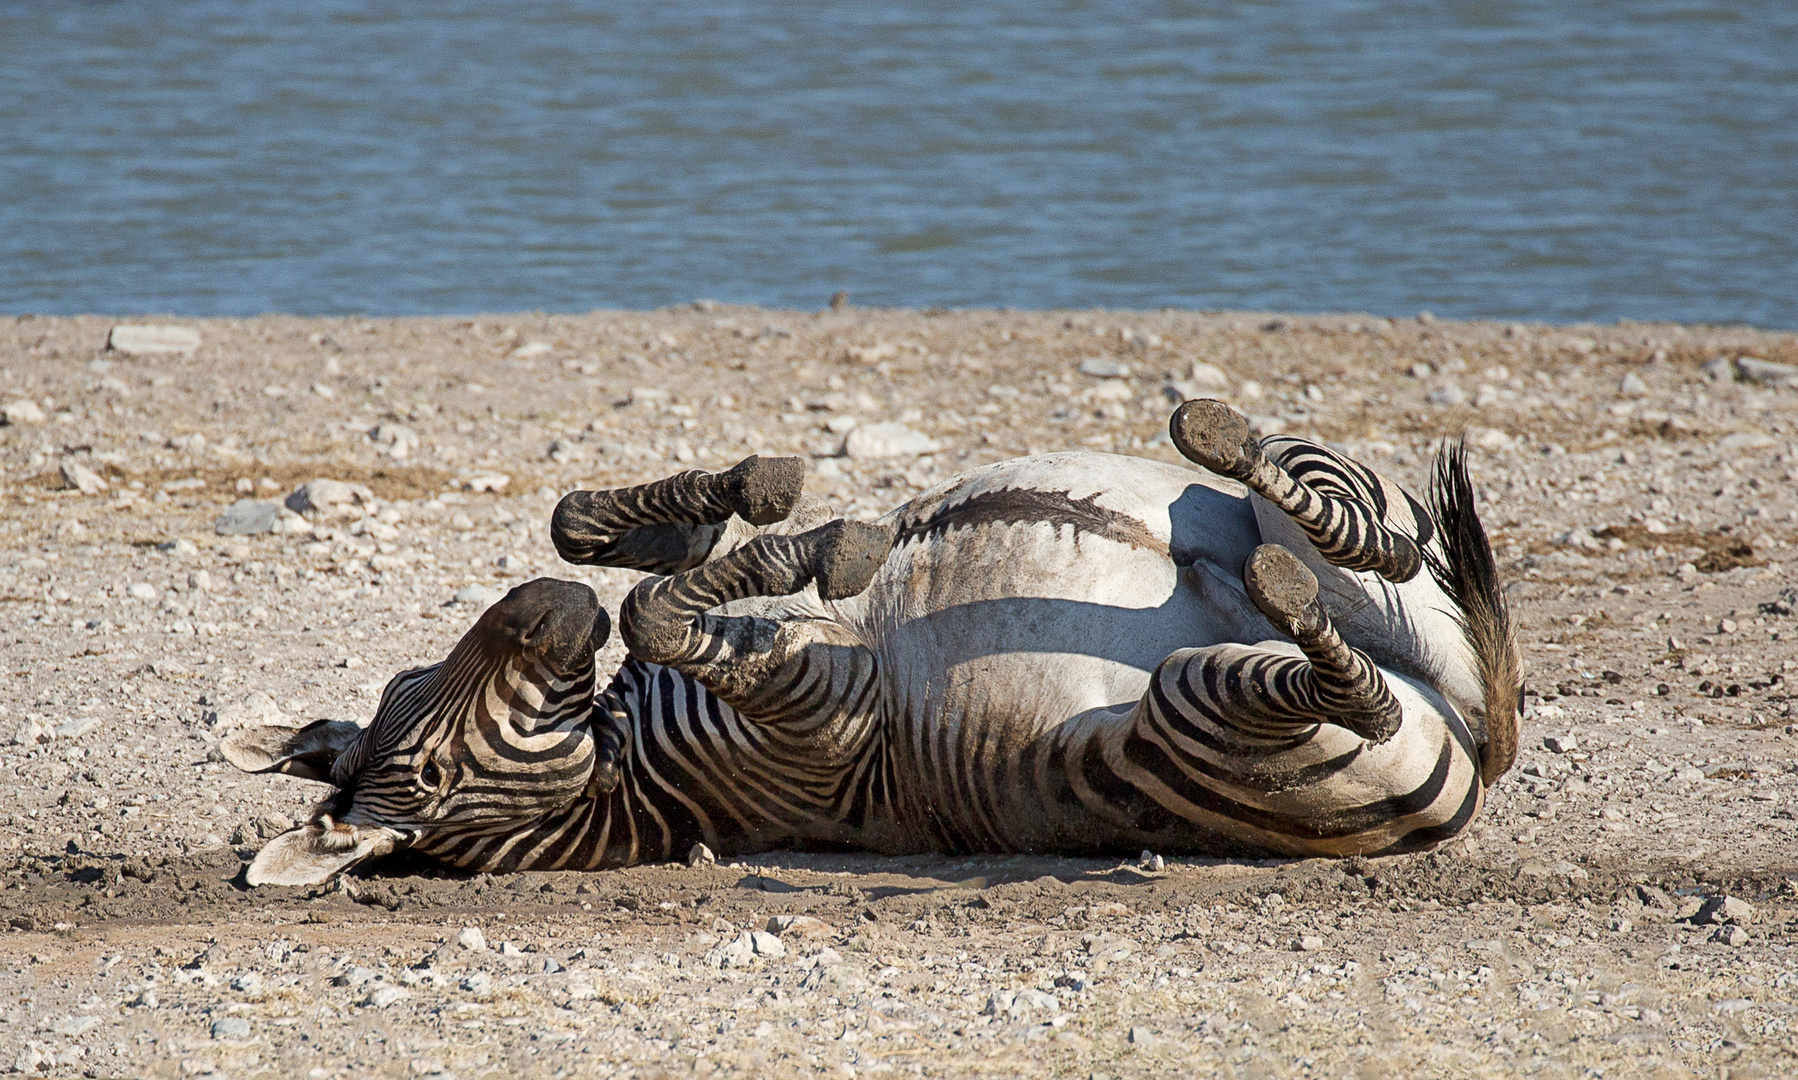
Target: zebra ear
<point>313,854</point>
<point>306,752</point>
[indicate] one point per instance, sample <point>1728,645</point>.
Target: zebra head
<point>479,746</point>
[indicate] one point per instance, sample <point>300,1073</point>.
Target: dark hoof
<point>765,490</point>
<point>1378,726</point>
<point>849,554</point>
<point>1284,589</point>
<point>557,622</point>
<point>1213,435</point>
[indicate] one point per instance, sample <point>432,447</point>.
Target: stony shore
<point>1626,905</point>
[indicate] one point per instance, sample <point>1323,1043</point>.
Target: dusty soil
<point>1637,483</point>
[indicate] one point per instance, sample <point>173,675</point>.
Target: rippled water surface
<point>1615,158</point>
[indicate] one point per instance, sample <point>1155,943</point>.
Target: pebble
<point>355,975</point>
<point>472,939</point>
<point>248,983</point>
<point>23,412</point>
<point>1767,372</point>
<point>150,339</point>
<point>1100,367</point>
<point>327,494</point>
<point>700,855</point>
<point>532,348</point>
<point>384,996</point>
<point>77,727</point>
<point>78,477</point>
<point>1744,440</point>
<point>1308,943</point>
<point>1141,1036</point>
<point>1631,385</point>
<point>1560,744</point>
<point>142,590</point>
<point>1205,376</point>
<point>479,595</point>
<point>200,580</point>
<point>1720,910</point>
<point>1733,936</point>
<point>479,984</point>
<point>737,952</point>
<point>486,482</point>
<point>766,944</point>
<point>887,440</point>
<point>1451,395</point>
<point>230,1027</point>
<point>181,545</point>
<point>247,517</point>
<point>799,926</point>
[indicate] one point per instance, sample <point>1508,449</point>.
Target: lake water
<point>1613,158</point>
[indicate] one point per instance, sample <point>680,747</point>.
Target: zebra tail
<point>1467,572</point>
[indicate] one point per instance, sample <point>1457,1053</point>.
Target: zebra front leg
<point>1346,532</point>
<point>672,525</point>
<point>764,668</point>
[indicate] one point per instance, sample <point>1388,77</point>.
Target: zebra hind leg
<point>671,525</point>
<point>1346,532</point>
<point>1340,685</point>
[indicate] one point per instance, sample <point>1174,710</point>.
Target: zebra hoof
<point>765,490</point>
<point>848,555</point>
<point>1211,434</point>
<point>1284,589</point>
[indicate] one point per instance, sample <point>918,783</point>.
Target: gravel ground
<point>1626,905</point>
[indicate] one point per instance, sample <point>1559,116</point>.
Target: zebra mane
<point>1467,572</point>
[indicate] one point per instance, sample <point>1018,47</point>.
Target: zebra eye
<point>430,776</point>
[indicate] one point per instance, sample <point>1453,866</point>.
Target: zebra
<point>1281,653</point>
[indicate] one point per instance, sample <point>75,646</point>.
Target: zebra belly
<point>1025,592</point>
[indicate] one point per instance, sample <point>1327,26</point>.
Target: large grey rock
<point>144,339</point>
<point>247,517</point>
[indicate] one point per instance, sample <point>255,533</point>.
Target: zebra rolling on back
<point>1078,653</point>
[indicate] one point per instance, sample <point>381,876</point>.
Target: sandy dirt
<point>1626,906</point>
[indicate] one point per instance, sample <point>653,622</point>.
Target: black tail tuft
<point>1466,570</point>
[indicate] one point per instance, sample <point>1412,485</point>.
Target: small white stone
<point>479,595</point>
<point>1100,367</point>
<point>700,855</point>
<point>1205,376</point>
<point>532,348</point>
<point>1560,744</point>
<point>142,590</point>
<point>23,412</point>
<point>79,477</point>
<point>766,944</point>
<point>140,339</point>
<point>1631,385</point>
<point>486,482</point>
<point>887,440</point>
<point>1450,394</point>
<point>472,939</point>
<point>384,996</point>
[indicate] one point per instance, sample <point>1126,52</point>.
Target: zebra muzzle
<point>316,852</point>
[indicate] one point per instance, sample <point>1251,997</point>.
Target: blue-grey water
<point>1506,158</point>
